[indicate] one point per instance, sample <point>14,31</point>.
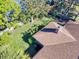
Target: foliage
<point>17,45</point>
<point>27,10</point>
<point>36,9</point>
<point>38,25</point>
<point>8,9</point>
<point>22,17</point>
<point>4,39</point>
<point>15,25</point>
<point>1,23</point>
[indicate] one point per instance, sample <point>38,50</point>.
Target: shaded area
<point>34,45</point>
<point>3,27</point>
<point>34,49</point>
<point>26,37</point>
<point>63,10</point>
<point>49,30</point>
<point>62,17</point>
<point>50,2</point>
<point>78,57</point>
<point>28,34</point>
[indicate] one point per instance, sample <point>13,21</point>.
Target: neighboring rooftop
<point>46,36</point>
<point>62,45</point>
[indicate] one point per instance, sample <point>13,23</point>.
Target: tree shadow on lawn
<point>34,45</point>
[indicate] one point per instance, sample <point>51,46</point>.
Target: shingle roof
<point>57,48</point>
<point>46,36</point>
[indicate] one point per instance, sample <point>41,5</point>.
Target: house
<point>64,45</point>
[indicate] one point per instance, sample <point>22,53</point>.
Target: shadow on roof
<point>49,30</point>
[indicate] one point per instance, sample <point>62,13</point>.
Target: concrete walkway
<point>61,45</point>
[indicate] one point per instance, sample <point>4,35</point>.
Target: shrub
<point>8,25</point>
<point>15,25</point>
<point>4,39</point>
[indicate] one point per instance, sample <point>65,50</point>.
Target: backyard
<point>17,44</point>
<point>21,19</point>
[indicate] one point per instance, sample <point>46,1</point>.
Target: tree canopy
<point>8,9</point>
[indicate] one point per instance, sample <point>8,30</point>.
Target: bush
<point>15,25</point>
<point>9,25</point>
<point>38,25</point>
<point>4,39</point>
<point>46,21</point>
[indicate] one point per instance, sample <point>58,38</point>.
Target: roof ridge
<point>64,31</point>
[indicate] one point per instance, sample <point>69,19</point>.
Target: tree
<point>9,9</point>
<point>62,7</point>
<point>37,8</point>
<point>4,39</point>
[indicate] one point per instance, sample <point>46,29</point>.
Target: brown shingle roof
<point>59,47</point>
<point>46,36</point>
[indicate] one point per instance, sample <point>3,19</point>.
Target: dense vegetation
<point>20,20</point>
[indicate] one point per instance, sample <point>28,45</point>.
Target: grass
<point>16,36</point>
<point>17,45</point>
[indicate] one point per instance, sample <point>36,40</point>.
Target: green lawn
<point>17,45</point>
<point>17,41</point>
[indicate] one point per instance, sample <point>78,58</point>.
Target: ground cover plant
<point>21,19</point>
